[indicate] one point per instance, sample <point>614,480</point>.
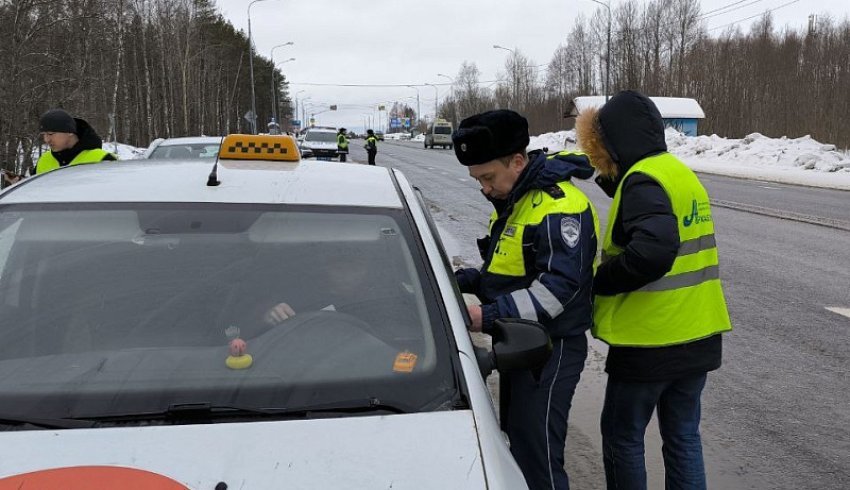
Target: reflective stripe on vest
<point>48,162</point>
<point>530,210</point>
<point>686,304</point>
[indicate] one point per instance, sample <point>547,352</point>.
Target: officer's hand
<point>475,316</point>
<point>279,313</point>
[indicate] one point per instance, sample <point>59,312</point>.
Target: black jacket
<point>88,140</point>
<point>564,270</point>
<point>646,228</point>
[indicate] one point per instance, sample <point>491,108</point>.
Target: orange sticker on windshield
<point>405,362</point>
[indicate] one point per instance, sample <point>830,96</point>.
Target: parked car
<point>183,148</point>
<point>148,342</point>
<point>320,143</point>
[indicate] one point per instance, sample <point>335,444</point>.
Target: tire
<point>451,147</point>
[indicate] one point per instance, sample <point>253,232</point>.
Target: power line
<point>754,16</point>
<point>753,2</point>
<point>722,8</point>
<point>375,85</point>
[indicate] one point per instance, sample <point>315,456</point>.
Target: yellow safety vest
<point>686,304</point>
<point>530,210</point>
<point>48,162</point>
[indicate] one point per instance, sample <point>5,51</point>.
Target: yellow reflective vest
<point>687,303</point>
<point>48,162</point>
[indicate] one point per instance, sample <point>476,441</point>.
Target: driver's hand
<point>279,313</point>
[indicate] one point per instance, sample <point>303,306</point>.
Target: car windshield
<point>442,130</point>
<point>125,309</point>
<point>323,136</point>
<point>185,151</point>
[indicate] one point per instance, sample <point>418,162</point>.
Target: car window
<point>443,130</point>
<point>132,308</point>
<point>185,151</point>
<point>322,136</point>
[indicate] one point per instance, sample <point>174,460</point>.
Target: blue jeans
<point>625,415</point>
<point>538,413</point>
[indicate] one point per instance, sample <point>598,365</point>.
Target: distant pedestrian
<point>72,141</point>
<point>658,301</point>
<point>371,146</point>
<point>342,144</point>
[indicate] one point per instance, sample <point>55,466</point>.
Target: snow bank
<point>803,161</point>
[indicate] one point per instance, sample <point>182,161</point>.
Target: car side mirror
<point>517,345</point>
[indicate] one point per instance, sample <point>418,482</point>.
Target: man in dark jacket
<point>71,140</point>
<point>371,146</point>
<point>658,299</point>
<point>538,265</point>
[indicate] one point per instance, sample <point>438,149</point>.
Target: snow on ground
<point>124,152</point>
<point>419,138</point>
<point>801,161</point>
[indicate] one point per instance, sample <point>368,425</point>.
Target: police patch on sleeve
<point>570,231</point>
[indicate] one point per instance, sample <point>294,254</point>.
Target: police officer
<point>538,265</point>
<point>341,144</point>
<point>659,303</point>
<point>71,140</point>
<point>371,146</point>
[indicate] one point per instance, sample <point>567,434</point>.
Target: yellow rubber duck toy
<point>238,358</point>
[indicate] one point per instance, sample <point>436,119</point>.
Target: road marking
<point>840,311</point>
<point>769,187</point>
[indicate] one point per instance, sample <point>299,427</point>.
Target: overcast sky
<point>410,42</point>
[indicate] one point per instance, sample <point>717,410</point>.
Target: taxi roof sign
<point>281,148</point>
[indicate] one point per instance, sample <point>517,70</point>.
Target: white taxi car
<point>184,148</point>
<point>258,323</point>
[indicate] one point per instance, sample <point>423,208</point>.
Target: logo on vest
<point>510,231</point>
<point>699,214</point>
<point>570,231</point>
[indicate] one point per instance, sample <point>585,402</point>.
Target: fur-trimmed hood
<point>627,129</point>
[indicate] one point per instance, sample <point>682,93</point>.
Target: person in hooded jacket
<point>72,141</point>
<point>538,265</point>
<point>658,299</point>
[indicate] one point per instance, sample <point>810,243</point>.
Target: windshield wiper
<point>209,411</point>
<point>65,423</point>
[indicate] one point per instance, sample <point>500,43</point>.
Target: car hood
<point>433,450</point>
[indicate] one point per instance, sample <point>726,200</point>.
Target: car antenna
<point>212,180</point>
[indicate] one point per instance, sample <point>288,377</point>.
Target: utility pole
<point>515,74</point>
<point>274,91</point>
<point>251,68</point>
<point>436,100</point>
<point>418,110</point>
<point>454,101</point>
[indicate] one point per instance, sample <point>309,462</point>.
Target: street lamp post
<point>418,113</point>
<point>515,74</point>
<point>608,57</point>
<point>251,69</point>
<point>297,114</point>
<point>436,100</point>
<point>274,92</point>
<point>454,101</point>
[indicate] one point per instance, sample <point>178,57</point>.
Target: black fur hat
<point>490,135</point>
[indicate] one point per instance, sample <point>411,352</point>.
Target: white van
<point>439,133</point>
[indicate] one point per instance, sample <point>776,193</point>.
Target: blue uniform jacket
<point>565,272</point>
